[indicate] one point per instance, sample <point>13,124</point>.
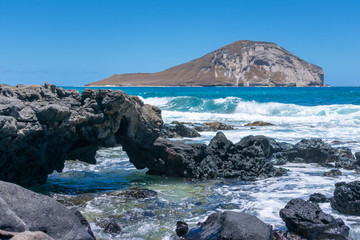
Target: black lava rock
<point>318,198</point>
<point>181,228</point>
<point>309,221</point>
<point>231,225</point>
<point>113,228</point>
<point>347,198</point>
<point>333,173</point>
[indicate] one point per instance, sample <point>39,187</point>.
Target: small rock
<point>135,193</point>
<point>113,228</point>
<point>318,198</point>
<point>258,124</point>
<point>286,235</point>
<point>219,126</point>
<point>181,228</point>
<point>333,173</point>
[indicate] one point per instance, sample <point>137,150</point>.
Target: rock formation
<point>242,63</point>
<point>309,221</point>
<point>22,210</point>
<point>42,126</point>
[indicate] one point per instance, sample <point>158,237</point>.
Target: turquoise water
<point>332,114</point>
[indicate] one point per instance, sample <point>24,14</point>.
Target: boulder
<point>231,225</point>
<point>178,130</point>
<point>318,198</point>
<point>112,228</point>
<point>42,126</point>
<point>23,210</point>
<point>308,220</point>
<point>347,198</point>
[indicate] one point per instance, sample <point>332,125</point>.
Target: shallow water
<point>327,113</point>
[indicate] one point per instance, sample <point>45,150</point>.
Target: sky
<point>74,42</point>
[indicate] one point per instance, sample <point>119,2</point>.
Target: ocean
<point>332,114</point>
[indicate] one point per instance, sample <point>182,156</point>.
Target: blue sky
<point>81,41</point>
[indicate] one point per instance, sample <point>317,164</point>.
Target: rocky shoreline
<point>42,126</point>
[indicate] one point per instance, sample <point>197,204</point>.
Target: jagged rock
<point>42,126</point>
<point>259,124</point>
<point>344,159</point>
<point>309,221</point>
<point>181,228</point>
<point>333,173</point>
<point>318,198</point>
<point>23,210</point>
<point>231,225</point>
<point>242,63</point>
<point>113,228</point>
<point>286,235</point>
<point>27,235</point>
<point>347,198</point>
<point>178,130</point>
<point>247,159</point>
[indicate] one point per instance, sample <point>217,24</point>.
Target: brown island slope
<point>242,63</point>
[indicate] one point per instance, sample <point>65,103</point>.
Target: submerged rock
<point>23,210</point>
<point>333,173</point>
<point>309,221</point>
<point>42,126</point>
<point>112,228</point>
<point>318,198</point>
<point>231,225</point>
<point>347,198</point>
<point>181,228</point>
<point>135,193</point>
<point>258,124</point>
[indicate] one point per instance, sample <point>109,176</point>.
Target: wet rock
<point>27,235</point>
<point>344,159</point>
<point>258,124</point>
<point>231,225</point>
<point>178,130</point>
<point>135,193</point>
<point>216,126</point>
<point>333,173</point>
<point>247,159</point>
<point>318,198</point>
<point>23,210</point>
<point>181,228</point>
<point>42,126</point>
<point>308,220</point>
<point>112,228</point>
<point>286,235</point>
<point>347,198</point>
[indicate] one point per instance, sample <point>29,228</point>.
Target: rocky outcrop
<point>23,210</point>
<point>347,198</point>
<point>309,221</point>
<point>42,126</point>
<point>231,225</point>
<point>242,63</point>
<point>247,159</point>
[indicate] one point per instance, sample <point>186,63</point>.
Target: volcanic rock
<point>178,130</point>
<point>309,221</point>
<point>42,126</point>
<point>181,228</point>
<point>318,198</point>
<point>347,198</point>
<point>259,124</point>
<point>23,210</point>
<point>231,225</point>
<point>333,173</point>
<point>242,63</point>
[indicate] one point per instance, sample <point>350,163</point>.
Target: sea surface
<point>332,114</point>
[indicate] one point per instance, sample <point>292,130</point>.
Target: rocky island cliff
<point>242,63</point>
